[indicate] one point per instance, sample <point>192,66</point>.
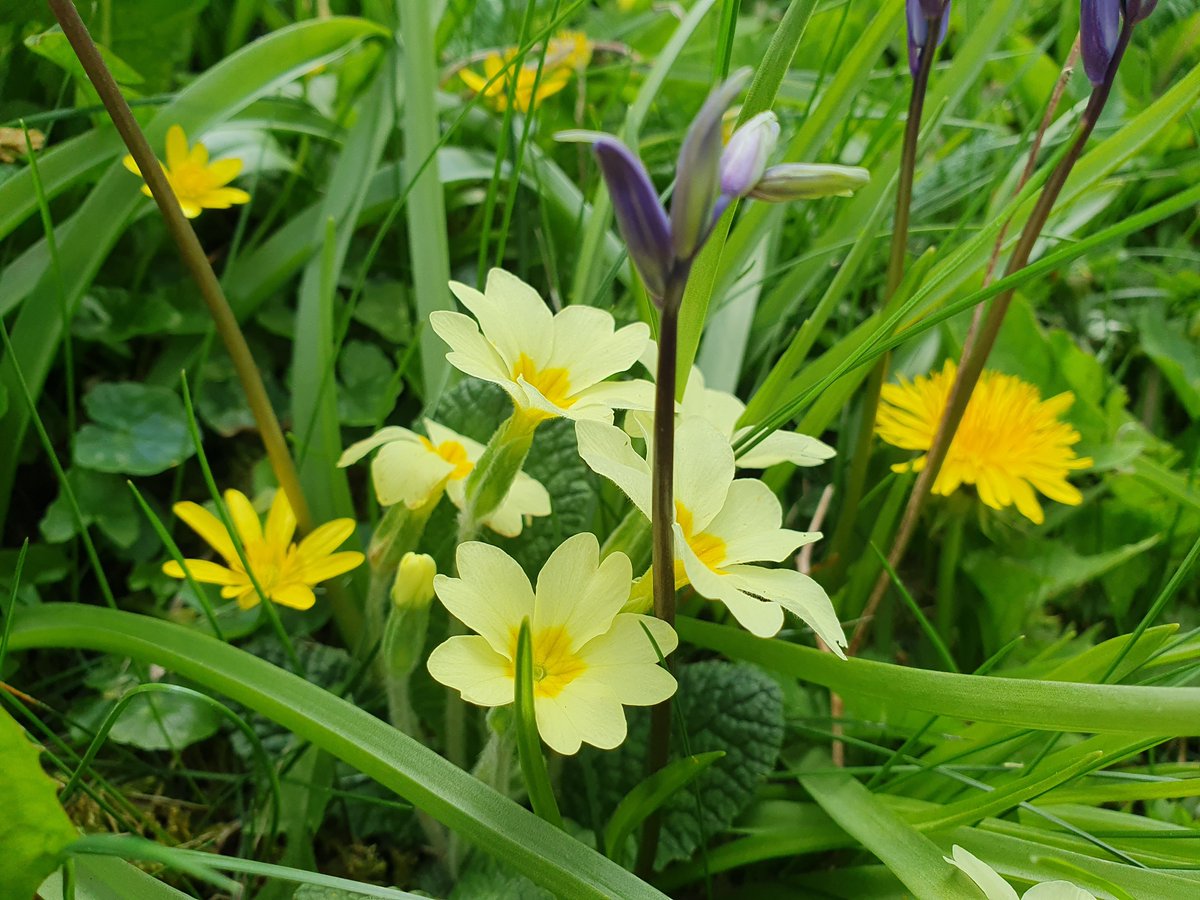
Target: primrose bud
<point>802,181</point>
<point>1099,22</point>
<point>413,587</point>
<point>640,216</point>
<point>745,157</point>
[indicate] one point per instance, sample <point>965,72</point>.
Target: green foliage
<point>135,430</point>
<point>35,831</point>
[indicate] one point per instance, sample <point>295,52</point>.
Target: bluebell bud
<point>697,174</point>
<point>746,155</point>
<point>640,216</point>
<point>920,14</point>
<point>802,181</point>
<point>1099,22</point>
<point>1137,10</point>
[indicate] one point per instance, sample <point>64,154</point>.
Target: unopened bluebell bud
<point>1099,22</point>
<point>920,14</point>
<point>697,174</point>
<point>746,155</point>
<point>640,216</point>
<point>802,181</point>
<point>1137,10</point>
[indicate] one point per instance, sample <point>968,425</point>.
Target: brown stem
<point>192,253</point>
<point>975,353</point>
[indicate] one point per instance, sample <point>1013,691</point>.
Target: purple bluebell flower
<point>921,13</point>
<point>746,154</point>
<point>640,216</point>
<point>1137,10</point>
<point>1099,22</point>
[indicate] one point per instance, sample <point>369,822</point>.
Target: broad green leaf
<point>165,721</point>
<point>34,830</point>
<point>368,386</point>
<point>1175,354</point>
<point>731,708</point>
<point>53,45</point>
<point>911,857</point>
<point>485,818</point>
<point>135,430</point>
<point>1043,705</point>
<point>648,796</point>
<point>104,500</point>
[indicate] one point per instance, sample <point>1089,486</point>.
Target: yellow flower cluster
<point>567,53</point>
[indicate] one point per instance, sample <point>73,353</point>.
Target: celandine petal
<point>204,571</point>
<point>324,539</point>
<point>209,527</point>
<point>281,521</point>
<point>294,596</point>
<point>330,566</point>
<point>243,516</point>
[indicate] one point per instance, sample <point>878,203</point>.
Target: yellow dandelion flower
<point>723,526</point>
<point>1010,441</point>
<point>551,364</point>
<point>285,571</point>
<point>415,470</point>
<point>567,53</point>
<point>590,659</point>
<point>198,184</point>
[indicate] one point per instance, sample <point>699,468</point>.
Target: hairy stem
<point>976,351</point>
<point>192,254</point>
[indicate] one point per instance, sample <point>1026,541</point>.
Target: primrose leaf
<point>136,429</point>
<point>726,707</point>
<point>34,830</point>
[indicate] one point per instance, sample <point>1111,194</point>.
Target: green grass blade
<point>650,794</point>
<point>494,824</point>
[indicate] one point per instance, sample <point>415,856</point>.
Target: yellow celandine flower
<point>996,888</point>
<point>285,571</point>
<point>198,184</point>
<point>722,410</point>
<point>414,470</point>
<point>1010,440</point>
<point>721,525</point>
<point>567,53</point>
<point>589,658</point>
<point>550,364</point>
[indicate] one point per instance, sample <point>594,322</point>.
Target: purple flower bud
<point>746,154</point>
<point>1099,22</point>
<point>920,13</point>
<point>640,215</point>
<point>697,174</point>
<point>1137,10</point>
<point>801,181</point>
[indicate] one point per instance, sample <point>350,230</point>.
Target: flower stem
<point>662,505</point>
<point>529,744</point>
<point>192,254</point>
<point>856,477</point>
<point>979,345</point>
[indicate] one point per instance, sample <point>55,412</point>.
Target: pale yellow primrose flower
<point>414,470</point>
<point>589,658</point>
<point>198,184</point>
<point>550,364</point>
<point>722,410</point>
<point>285,571</point>
<point>567,53</point>
<point>996,888</point>
<point>721,524</point>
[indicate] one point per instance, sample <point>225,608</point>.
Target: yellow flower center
<point>554,384</point>
<point>190,181</point>
<point>454,453</point>
<point>708,547</point>
<point>554,665</point>
<point>270,564</point>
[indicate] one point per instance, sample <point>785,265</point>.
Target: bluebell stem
<point>1099,23</point>
<point>921,14</point>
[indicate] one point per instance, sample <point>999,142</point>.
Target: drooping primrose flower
<point>589,658</point>
<point>198,184</point>
<point>414,470</point>
<point>550,364</point>
<point>708,177</point>
<point>923,15</point>
<point>721,526</point>
<point>996,888</point>
<point>1010,441</point>
<point>566,54</point>
<point>722,410</point>
<point>285,571</point>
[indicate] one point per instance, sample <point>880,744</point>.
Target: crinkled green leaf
<point>136,429</point>
<point>34,830</point>
<point>485,878</point>
<point>725,706</point>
